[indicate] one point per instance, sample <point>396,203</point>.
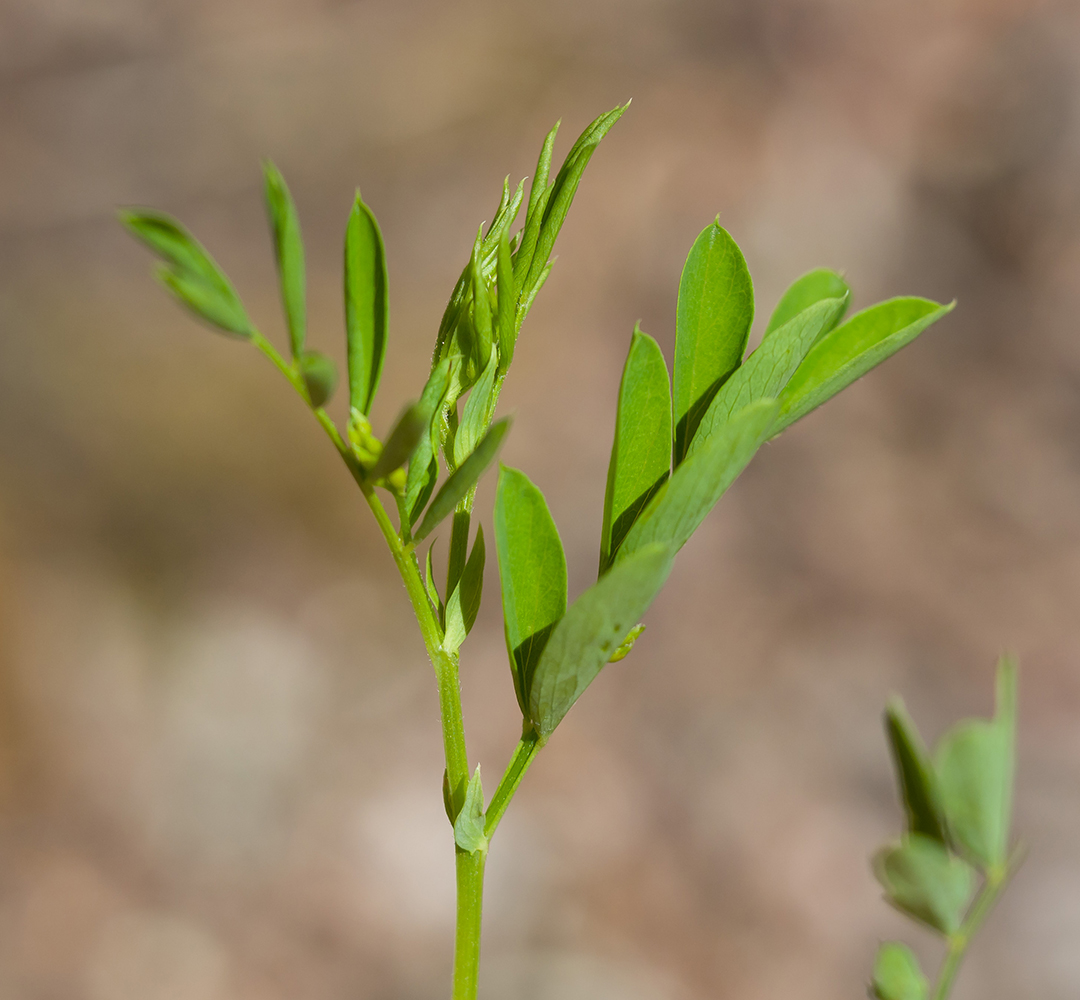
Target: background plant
<point>679,444</point>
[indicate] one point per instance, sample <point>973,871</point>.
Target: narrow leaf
<point>592,629</point>
<point>464,603</point>
<point>424,464</point>
<point>539,192</point>
<point>641,452</point>
<point>683,502</point>
<point>914,773</point>
<point>922,879</point>
<point>469,824</point>
<point>429,584</point>
<point>897,974</point>
<point>479,409</point>
<point>320,376</point>
<point>206,301</point>
<point>532,569</point>
<point>481,309</point>
<point>366,306</point>
<point>406,435</point>
<point>463,480</point>
<point>507,305</point>
<point>715,310</point>
<point>804,292</point>
<point>851,350</point>
<point>767,370</point>
<point>289,248</point>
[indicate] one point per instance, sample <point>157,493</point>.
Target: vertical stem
<point>470,899</point>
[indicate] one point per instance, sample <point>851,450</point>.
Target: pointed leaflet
<point>914,773</point>
<point>469,824</point>
<point>897,975</point>
<point>463,480</point>
<point>539,192</point>
<point>424,465</point>
<point>975,768</point>
<point>319,374</point>
<point>289,248</point>
<point>532,569</point>
<point>366,306</point>
<point>191,273</point>
<point>641,452</point>
<point>478,412</point>
<point>464,602</point>
<point>925,881</point>
<point>507,304</point>
<point>403,439</point>
<point>812,287</point>
<point>683,502</point>
<point>768,369</point>
<point>562,194</point>
<point>716,308</point>
<point>592,629</point>
<point>851,350</point>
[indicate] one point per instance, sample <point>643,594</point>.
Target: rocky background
<point>219,750</point>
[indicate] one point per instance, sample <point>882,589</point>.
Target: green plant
<point>678,445</point>
<point>959,809</point>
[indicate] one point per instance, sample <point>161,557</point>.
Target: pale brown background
<point>220,754</point>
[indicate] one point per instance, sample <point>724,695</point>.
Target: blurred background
<point>220,761</point>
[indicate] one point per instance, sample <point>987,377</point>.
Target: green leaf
<point>897,974</point>
<point>683,502</point>
<point>191,273</point>
<point>627,644</point>
<point>975,773</point>
<point>641,452</point>
<point>532,569</point>
<point>319,374</point>
<point>366,305</point>
<point>429,584</point>
<point>481,309</point>
<point>289,248</point>
<point>922,879</point>
<point>562,194</point>
<point>915,774</point>
<point>400,445</point>
<point>539,192</point>
<point>592,629</point>
<point>715,310</point>
<point>424,463</point>
<point>479,409</point>
<point>507,305</point>
<point>464,602</point>
<point>464,479</point>
<point>469,824</point>
<point>764,374</point>
<point>206,302</point>
<point>851,350</point>
<point>804,292</point>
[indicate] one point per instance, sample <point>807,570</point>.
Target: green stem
<point>524,754</point>
<point>470,901</point>
<point>996,881</point>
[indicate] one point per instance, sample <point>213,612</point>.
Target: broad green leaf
<point>469,824</point>
<point>479,409</point>
<point>592,629</point>
<point>464,602</point>
<point>319,374</point>
<point>683,502</point>
<point>532,569</point>
<point>206,301</point>
<point>627,644</point>
<point>765,373</point>
<point>366,305</point>
<point>915,774</point>
<point>400,445</point>
<point>191,273</point>
<point>507,305</point>
<point>641,452</point>
<point>922,879</point>
<point>464,479</point>
<point>851,350</point>
<point>812,287</point>
<point>716,308</point>
<point>974,770</point>
<point>562,194</point>
<point>289,248</point>
<point>897,974</point>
